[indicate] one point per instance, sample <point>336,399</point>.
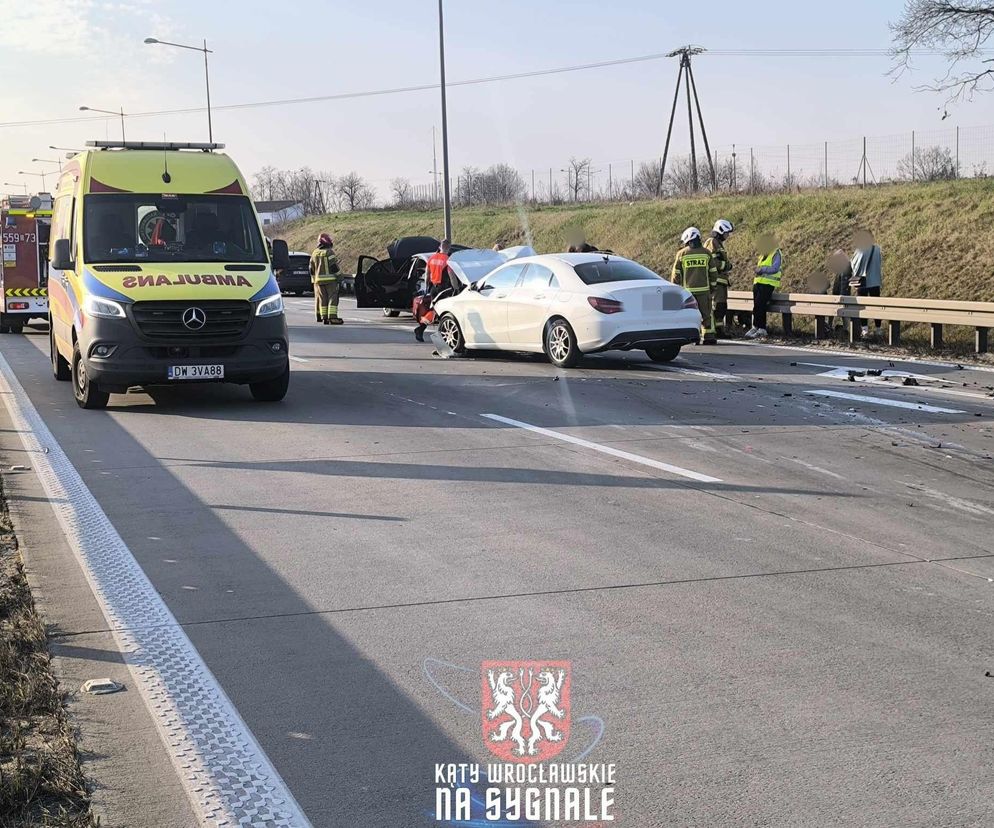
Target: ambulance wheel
<point>61,369</point>
<point>87,394</point>
<point>390,313</point>
<point>272,390</point>
<point>448,329</point>
<point>560,344</point>
<point>663,353</point>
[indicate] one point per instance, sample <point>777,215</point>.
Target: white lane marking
<point>932,409</point>
<point>860,355</point>
<point>676,369</point>
<point>814,468</point>
<point>624,455</point>
<point>227,776</point>
<point>299,359</point>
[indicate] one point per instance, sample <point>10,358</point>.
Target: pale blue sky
<point>58,54</point>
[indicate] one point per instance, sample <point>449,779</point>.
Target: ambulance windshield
<point>127,227</point>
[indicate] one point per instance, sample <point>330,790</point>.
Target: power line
<point>397,90</point>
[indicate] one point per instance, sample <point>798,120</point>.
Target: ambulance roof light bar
<point>153,145</point>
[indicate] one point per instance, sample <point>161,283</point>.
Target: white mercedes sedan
<point>570,304</point>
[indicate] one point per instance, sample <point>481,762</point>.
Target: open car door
<point>378,284</point>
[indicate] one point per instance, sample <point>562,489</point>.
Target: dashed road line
<point>227,776</point>
<point>931,409</point>
<point>623,455</point>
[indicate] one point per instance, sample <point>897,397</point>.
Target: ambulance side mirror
<point>62,255</point>
<point>281,255</point>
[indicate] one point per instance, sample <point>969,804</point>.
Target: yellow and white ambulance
<point>159,274</point>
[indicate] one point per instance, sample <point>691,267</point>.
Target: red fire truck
<point>25,222</point>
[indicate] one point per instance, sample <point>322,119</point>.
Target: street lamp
<point>107,112</point>
<point>47,161</point>
<point>40,175</point>
<point>446,195</point>
<point>18,184</point>
<point>207,74</point>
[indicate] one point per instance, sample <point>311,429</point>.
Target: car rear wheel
<point>61,369</point>
<point>560,344</point>
<point>86,392</point>
<point>391,313</point>
<point>451,333</point>
<point>663,353</point>
<point>272,390</point>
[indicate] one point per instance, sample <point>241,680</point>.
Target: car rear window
<point>613,270</point>
<point>300,261</point>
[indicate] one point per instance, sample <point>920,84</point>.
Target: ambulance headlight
<point>273,306</point>
<point>103,308</point>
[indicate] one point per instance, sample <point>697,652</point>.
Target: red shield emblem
<point>525,709</point>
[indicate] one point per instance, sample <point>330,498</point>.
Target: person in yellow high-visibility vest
<point>326,276</point>
<point>769,272</point>
<point>696,269</point>
<point>715,243</point>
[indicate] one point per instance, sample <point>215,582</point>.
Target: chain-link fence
<point>863,161</point>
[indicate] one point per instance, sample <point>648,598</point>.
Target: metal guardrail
<point>856,309</point>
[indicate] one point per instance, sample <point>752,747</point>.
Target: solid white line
<point>968,366</point>
<point>624,455</point>
<point>299,359</point>
<point>227,776</point>
<point>933,409</point>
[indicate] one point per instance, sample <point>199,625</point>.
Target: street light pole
<point>207,79</point>
<point>207,74</point>
<point>16,184</point>
<point>446,195</point>
<point>108,112</point>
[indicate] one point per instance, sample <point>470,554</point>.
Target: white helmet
<point>723,227</point>
<point>690,234</point>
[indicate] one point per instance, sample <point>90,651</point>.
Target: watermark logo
<point>525,709</point>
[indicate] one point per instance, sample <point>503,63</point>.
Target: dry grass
<point>40,779</point>
<point>936,237</point>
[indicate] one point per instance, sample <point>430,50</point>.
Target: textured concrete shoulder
<point>124,625</point>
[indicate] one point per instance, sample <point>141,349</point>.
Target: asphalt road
<point>776,600</point>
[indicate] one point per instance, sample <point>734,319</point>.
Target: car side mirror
<point>62,255</point>
<point>474,286</point>
<point>281,255</point>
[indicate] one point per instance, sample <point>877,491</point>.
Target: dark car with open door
<point>391,283</point>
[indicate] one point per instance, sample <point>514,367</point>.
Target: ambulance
<point>24,225</point>
<point>159,274</point>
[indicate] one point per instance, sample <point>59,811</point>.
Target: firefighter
<point>715,244</point>
<point>437,281</point>
<point>769,271</point>
<point>696,269</point>
<point>326,276</point>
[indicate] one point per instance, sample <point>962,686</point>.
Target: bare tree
<point>649,180</point>
<point>301,186</point>
<point>959,29</point>
<point>578,173</point>
<point>355,193</point>
<point>928,164</point>
<point>403,193</point>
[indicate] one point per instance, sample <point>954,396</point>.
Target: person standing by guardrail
<point>867,270</point>
<point>715,244</point>
<point>325,274</point>
<point>769,271</point>
<point>695,269</point>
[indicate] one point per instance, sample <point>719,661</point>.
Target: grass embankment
<point>936,238</point>
<point>40,779</point>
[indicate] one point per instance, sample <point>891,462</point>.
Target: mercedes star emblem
<point>194,318</point>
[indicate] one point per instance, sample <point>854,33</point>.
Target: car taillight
<point>605,305</point>
<point>689,302</point>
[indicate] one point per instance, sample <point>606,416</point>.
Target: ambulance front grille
<point>164,320</point>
